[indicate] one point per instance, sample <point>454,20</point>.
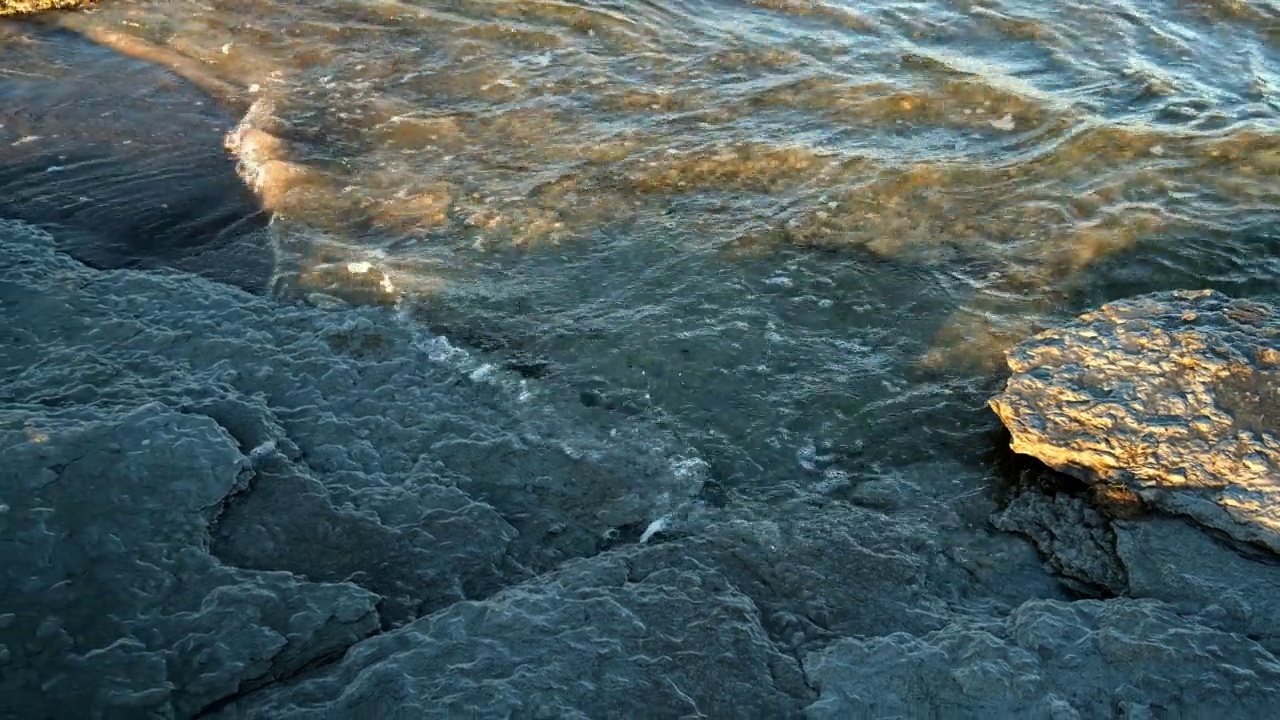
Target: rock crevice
<point>216,504</point>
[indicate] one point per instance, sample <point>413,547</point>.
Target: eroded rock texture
<point>204,492</point>
<point>27,7</point>
<point>1176,395</point>
<point>217,505</point>
<point>1049,659</point>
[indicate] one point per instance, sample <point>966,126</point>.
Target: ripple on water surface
<point>800,232</point>
<point>123,161</point>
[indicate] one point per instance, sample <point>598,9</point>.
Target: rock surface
<point>1076,539</point>
<point>26,7</point>
<point>205,491</point>
<point>589,641</point>
<point>1231,587</point>
<point>217,505</point>
<point>109,585</point>
<point>1176,395</point>
<point>1049,659</point>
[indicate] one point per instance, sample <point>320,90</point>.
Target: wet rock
<point>1050,659</point>
<point>419,547</point>
<point>1075,539</point>
<point>216,504</point>
<point>709,625</point>
<point>124,161</point>
<point>205,491</point>
<point>117,603</point>
<point>741,600</point>
<point>592,640</point>
<point>1175,395</point>
<point>843,570</point>
<point>1229,586</point>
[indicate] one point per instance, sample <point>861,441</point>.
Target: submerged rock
<point>123,160</point>
<point>1175,395</point>
<point>217,505</point>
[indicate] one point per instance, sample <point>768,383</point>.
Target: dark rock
<point>593,640</point>
<point>1076,540</point>
<point>207,491</point>
<point>1050,659</point>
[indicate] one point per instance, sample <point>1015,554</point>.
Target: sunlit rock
<point>1176,395</point>
<point>23,7</point>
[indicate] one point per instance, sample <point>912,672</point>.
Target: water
<point>798,234</point>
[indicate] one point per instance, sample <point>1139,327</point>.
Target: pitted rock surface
<point>217,505</point>
<point>1077,542</point>
<point>27,7</point>
<point>1050,660</point>
<point>205,491</point>
<point>1175,394</point>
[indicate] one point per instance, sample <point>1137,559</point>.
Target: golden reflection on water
<point>907,133</point>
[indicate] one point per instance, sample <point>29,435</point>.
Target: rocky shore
<point>215,504</point>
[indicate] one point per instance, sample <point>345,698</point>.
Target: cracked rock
<point>205,492</point>
<point>116,602</point>
<point>1231,586</point>
<point>1075,539</point>
<point>588,641</point>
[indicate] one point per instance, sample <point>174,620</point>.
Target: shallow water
<point>799,234</point>
<point>122,161</point>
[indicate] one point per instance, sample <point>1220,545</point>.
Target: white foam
<point>655,527</point>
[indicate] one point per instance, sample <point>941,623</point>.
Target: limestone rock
<point>1175,394</point>
<point>205,491</point>
<point>705,625</point>
<point>1225,584</point>
<point>26,7</point>
<point>1228,587</point>
<point>593,640</point>
<point>1075,539</point>
<point>1050,659</point>
<point>115,602</point>
<point>217,505</point>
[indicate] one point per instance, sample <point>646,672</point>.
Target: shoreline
<point>341,511</point>
<point>224,505</point>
